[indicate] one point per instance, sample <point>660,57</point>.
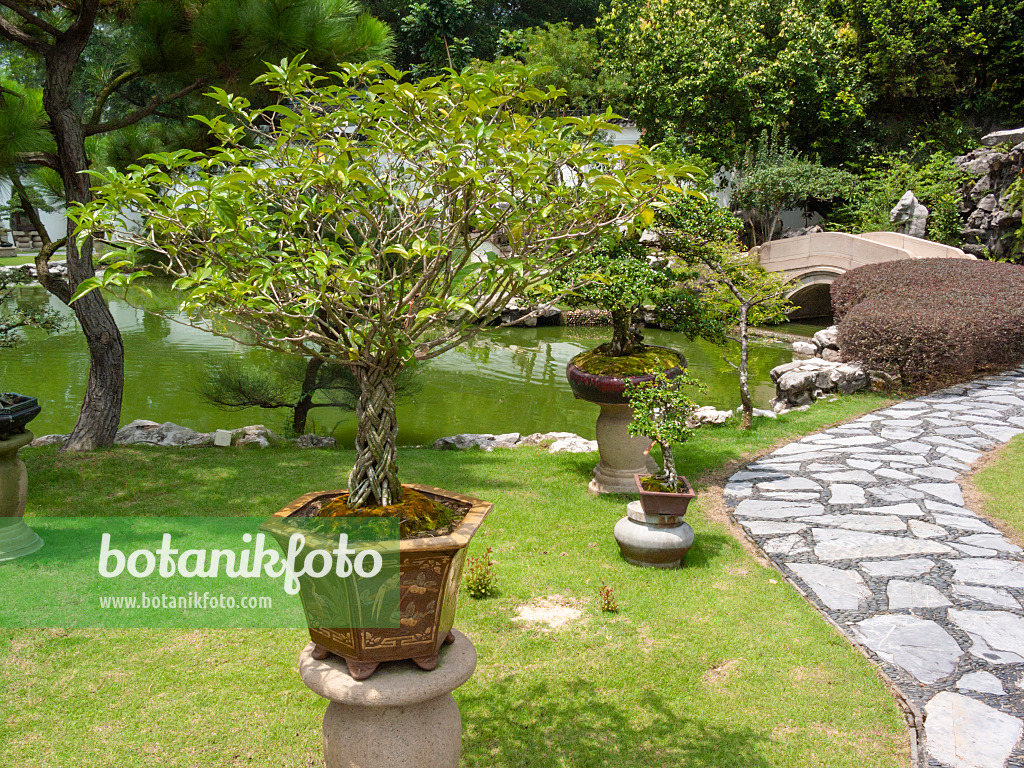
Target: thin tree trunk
<point>626,339</point>
<point>305,402</point>
<point>747,420</point>
<point>668,464</point>
<point>374,476</point>
<point>101,408</point>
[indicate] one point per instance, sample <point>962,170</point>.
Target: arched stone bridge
<point>813,261</point>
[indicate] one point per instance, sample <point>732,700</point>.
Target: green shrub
<point>932,321</point>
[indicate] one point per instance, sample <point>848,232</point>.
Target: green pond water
<point>508,380</point>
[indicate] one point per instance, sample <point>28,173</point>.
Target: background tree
<point>435,35</point>
<point>109,66</point>
<point>13,320</point>
<point>701,232</point>
<point>351,231</point>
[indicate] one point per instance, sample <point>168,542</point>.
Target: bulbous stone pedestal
<point>622,455</point>
<point>401,717</point>
<point>16,538</point>
<point>655,541</point>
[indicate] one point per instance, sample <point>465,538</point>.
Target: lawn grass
<point>714,665</point>
<point>17,261</point>
<point>1000,488</point>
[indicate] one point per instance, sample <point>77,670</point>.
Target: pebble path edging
<point>867,520</point>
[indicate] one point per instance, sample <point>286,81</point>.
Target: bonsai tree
<point>704,234</point>
<point>661,409</point>
<point>344,223</point>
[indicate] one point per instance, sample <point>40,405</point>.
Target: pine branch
<point>155,103</point>
<point>31,18</point>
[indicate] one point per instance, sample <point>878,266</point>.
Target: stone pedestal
<point>401,717</point>
<point>16,538</point>
<point>654,541</point>
<point>622,455</point>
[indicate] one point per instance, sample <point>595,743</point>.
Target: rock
<point>804,348</point>
<point>50,440</point>
<point>486,442</point>
<point>919,646</point>
<point>982,682</point>
<point>831,355</point>
<point>988,203</point>
<point>254,435</point>
<point>813,229</point>
<point>910,215</point>
<point>707,414</point>
<point>841,544</point>
<point>316,441</point>
<point>168,434</point>
<point>998,636</point>
<point>827,338</point>
<point>1012,136</point>
<point>573,444</point>
<point>544,439</point>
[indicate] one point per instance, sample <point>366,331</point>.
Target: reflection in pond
<point>508,380</point>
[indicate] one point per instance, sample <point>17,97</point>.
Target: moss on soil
<point>652,360</point>
<point>417,513</point>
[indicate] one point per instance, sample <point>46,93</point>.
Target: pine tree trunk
<point>305,401</point>
<point>374,476</point>
<point>747,419</point>
<point>101,408</point>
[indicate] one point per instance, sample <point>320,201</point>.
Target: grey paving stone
<point>789,496</point>
<point>839,544</point>
<point>899,434</point>
<point>919,646</point>
<point>907,510</point>
<point>938,506</point>
<point>964,733</point>
<point>902,423</point>
<point>895,493</point>
<point>846,476</point>
<point>914,594</point>
<point>1004,399</point>
<point>1002,434</point>
<point>860,522</point>
<point>863,464</point>
<point>895,474</point>
<point>778,466</point>
<point>990,595</point>
<point>797,448</point>
<point>738,489</point>
<point>938,421</point>
<point>991,541</point>
<point>837,588</point>
<point>957,454</point>
<point>972,418</point>
<point>924,530</point>
<point>957,432</point>
<point>787,546</point>
<point>973,551</point>
<point>937,473</point>
<point>843,493</point>
<point>982,682</point>
<point>771,527</point>
<point>746,474</point>
<point>946,441</point>
<point>998,635</point>
<point>915,566</point>
<point>912,447</point>
<point>994,573</point>
<point>947,492</point>
<point>908,458</point>
<point>963,522</point>
<point>776,510</point>
<point>788,484</point>
<point>820,467</point>
<point>1016,420</point>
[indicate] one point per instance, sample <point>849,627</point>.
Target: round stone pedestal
<point>401,717</point>
<point>622,455</point>
<point>16,538</point>
<point>655,541</point>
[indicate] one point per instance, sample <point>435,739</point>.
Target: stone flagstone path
<point>868,520</point>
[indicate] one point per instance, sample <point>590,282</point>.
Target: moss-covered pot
<point>431,571</point>
<point>609,389</point>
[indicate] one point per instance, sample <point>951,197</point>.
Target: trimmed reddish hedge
<point>932,321</point>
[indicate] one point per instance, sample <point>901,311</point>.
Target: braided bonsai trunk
<point>374,477</point>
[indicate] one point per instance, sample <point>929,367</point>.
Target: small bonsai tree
<point>345,222</point>
<point>661,409</point>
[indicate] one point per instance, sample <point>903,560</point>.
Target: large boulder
<point>315,441</point>
<point>805,348</point>
<point>486,442</point>
<point>573,444</point>
<point>707,414</point>
<point>827,338</point>
<point>168,434</point>
<point>253,436</point>
<point>801,382</point>
<point>50,440</point>
<point>1012,136</point>
<point>910,215</point>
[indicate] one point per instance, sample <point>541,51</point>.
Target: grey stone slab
<point>868,418</point>
<point>1004,399</point>
<point>863,464</point>
<point>902,423</point>
<point>838,589</point>
<point>907,509</point>
<point>963,523</point>
<point>778,466</point>
<point>958,454</point>
<point>1002,434</point>
<point>915,566</point>
<point>790,496</point>
<point>788,484</point>
<point>738,489</point>
<point>794,449</point>
<point>947,492</point>
<point>962,732</point>
<point>946,461</point>
<point>787,546</point>
<point>990,595</point>
<point>938,421</point>
<point>776,510</point>
<point>919,646</point>
<point>938,506</point>
<point>967,549</point>
<point>895,474</point>
<point>982,682</point>
<point>914,594</point>
<point>973,419</point>
<point>908,458</point>
<point>924,530</point>
<point>946,441</point>
<point>998,635</point>
<point>839,544</point>
<point>991,541</point>
<point>991,411</point>
<point>746,474</point>
<point>937,473</point>
<point>846,476</point>
<point>899,434</point>
<point>843,493</point>
<point>1016,420</point>
<point>895,494</point>
<point>909,405</point>
<point>912,447</point>
<point>771,527</point>
<point>818,466</point>
<point>993,573</point>
<point>860,522</point>
<point>956,432</point>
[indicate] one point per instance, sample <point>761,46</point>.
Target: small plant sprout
<point>479,576</point>
<point>660,411</point>
<point>606,599</point>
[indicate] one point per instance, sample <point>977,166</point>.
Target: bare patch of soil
<point>555,611</point>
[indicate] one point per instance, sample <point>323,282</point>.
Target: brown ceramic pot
<point>666,504</point>
<point>609,390</point>
<point>430,574</point>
